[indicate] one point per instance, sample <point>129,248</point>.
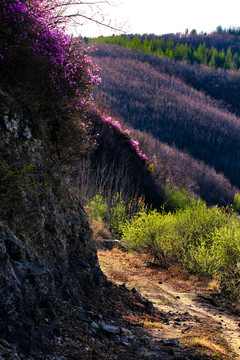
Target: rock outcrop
<point>47,256</point>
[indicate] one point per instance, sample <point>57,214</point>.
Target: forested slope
<point>150,93</point>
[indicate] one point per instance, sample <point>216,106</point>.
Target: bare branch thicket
<point>175,112</point>
<point>72,13</point>
<point>100,178</point>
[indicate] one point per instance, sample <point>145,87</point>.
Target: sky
<point>165,16</point>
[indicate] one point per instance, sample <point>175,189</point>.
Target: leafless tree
<point>73,13</point>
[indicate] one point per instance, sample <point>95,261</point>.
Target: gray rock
<point>94,325</point>
<point>110,329</point>
<point>145,339</point>
<point>126,343</point>
<point>84,318</point>
<point>14,249</point>
<point>170,342</point>
<point>179,350</point>
<point>117,338</point>
<point>27,133</point>
<point>126,332</point>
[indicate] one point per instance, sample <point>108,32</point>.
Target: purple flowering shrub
<point>37,57</point>
<point>118,127</point>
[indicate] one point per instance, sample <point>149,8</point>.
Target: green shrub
<point>117,215</point>
<point>196,223</point>
<point>96,207</point>
<point>113,211</point>
<point>150,232</point>
<point>204,240</point>
<point>175,233</point>
<point>236,203</point>
<point>17,181</point>
<point>177,199</point>
<point>226,249</point>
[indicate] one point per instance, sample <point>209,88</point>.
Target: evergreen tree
<point>145,44</point>
<point>228,64</point>
<point>213,59</point>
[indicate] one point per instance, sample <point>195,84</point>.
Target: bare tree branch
<point>74,13</point>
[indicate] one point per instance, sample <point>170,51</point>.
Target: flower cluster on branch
<point>116,125</point>
<point>28,28</point>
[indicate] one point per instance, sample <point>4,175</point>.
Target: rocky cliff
<point>47,255</point>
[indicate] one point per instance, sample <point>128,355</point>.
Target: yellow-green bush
<point>236,203</point>
<point>204,240</point>
<point>113,211</point>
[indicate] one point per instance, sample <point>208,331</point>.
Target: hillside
<point>175,103</point>
<point>219,49</point>
<point>72,175</point>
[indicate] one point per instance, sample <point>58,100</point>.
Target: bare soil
<point>189,312</point>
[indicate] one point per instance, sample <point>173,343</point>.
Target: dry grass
<point>210,345</point>
<point>100,232</point>
<point>147,321</point>
<point>134,267</point>
<point>214,284</point>
<point>177,272</point>
<point>117,275</point>
<point>157,325</point>
<point>208,340</point>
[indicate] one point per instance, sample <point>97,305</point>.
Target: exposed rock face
<point>46,252</point>
<point>30,290</point>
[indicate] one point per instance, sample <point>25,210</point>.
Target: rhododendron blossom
<point>72,72</point>
<point>116,125</point>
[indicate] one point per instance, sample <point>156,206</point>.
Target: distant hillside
<point>178,169</point>
<point>222,85</point>
<point>154,94</point>
<point>217,50</point>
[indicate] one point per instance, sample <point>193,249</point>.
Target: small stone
<point>5,109</point>
<point>126,332</point>
<point>110,329</point>
<point>171,342</point>
<point>126,343</point>
<point>179,350</point>
<point>94,325</point>
<point>27,133</point>
<point>145,339</point>
<point>117,338</point>
<point>83,318</point>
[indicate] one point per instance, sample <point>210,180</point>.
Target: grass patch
<point>207,340</point>
<point>154,324</point>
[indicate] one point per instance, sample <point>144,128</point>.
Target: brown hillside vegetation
<point>151,99</point>
<point>178,169</point>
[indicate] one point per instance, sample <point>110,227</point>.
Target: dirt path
<point>183,302</point>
